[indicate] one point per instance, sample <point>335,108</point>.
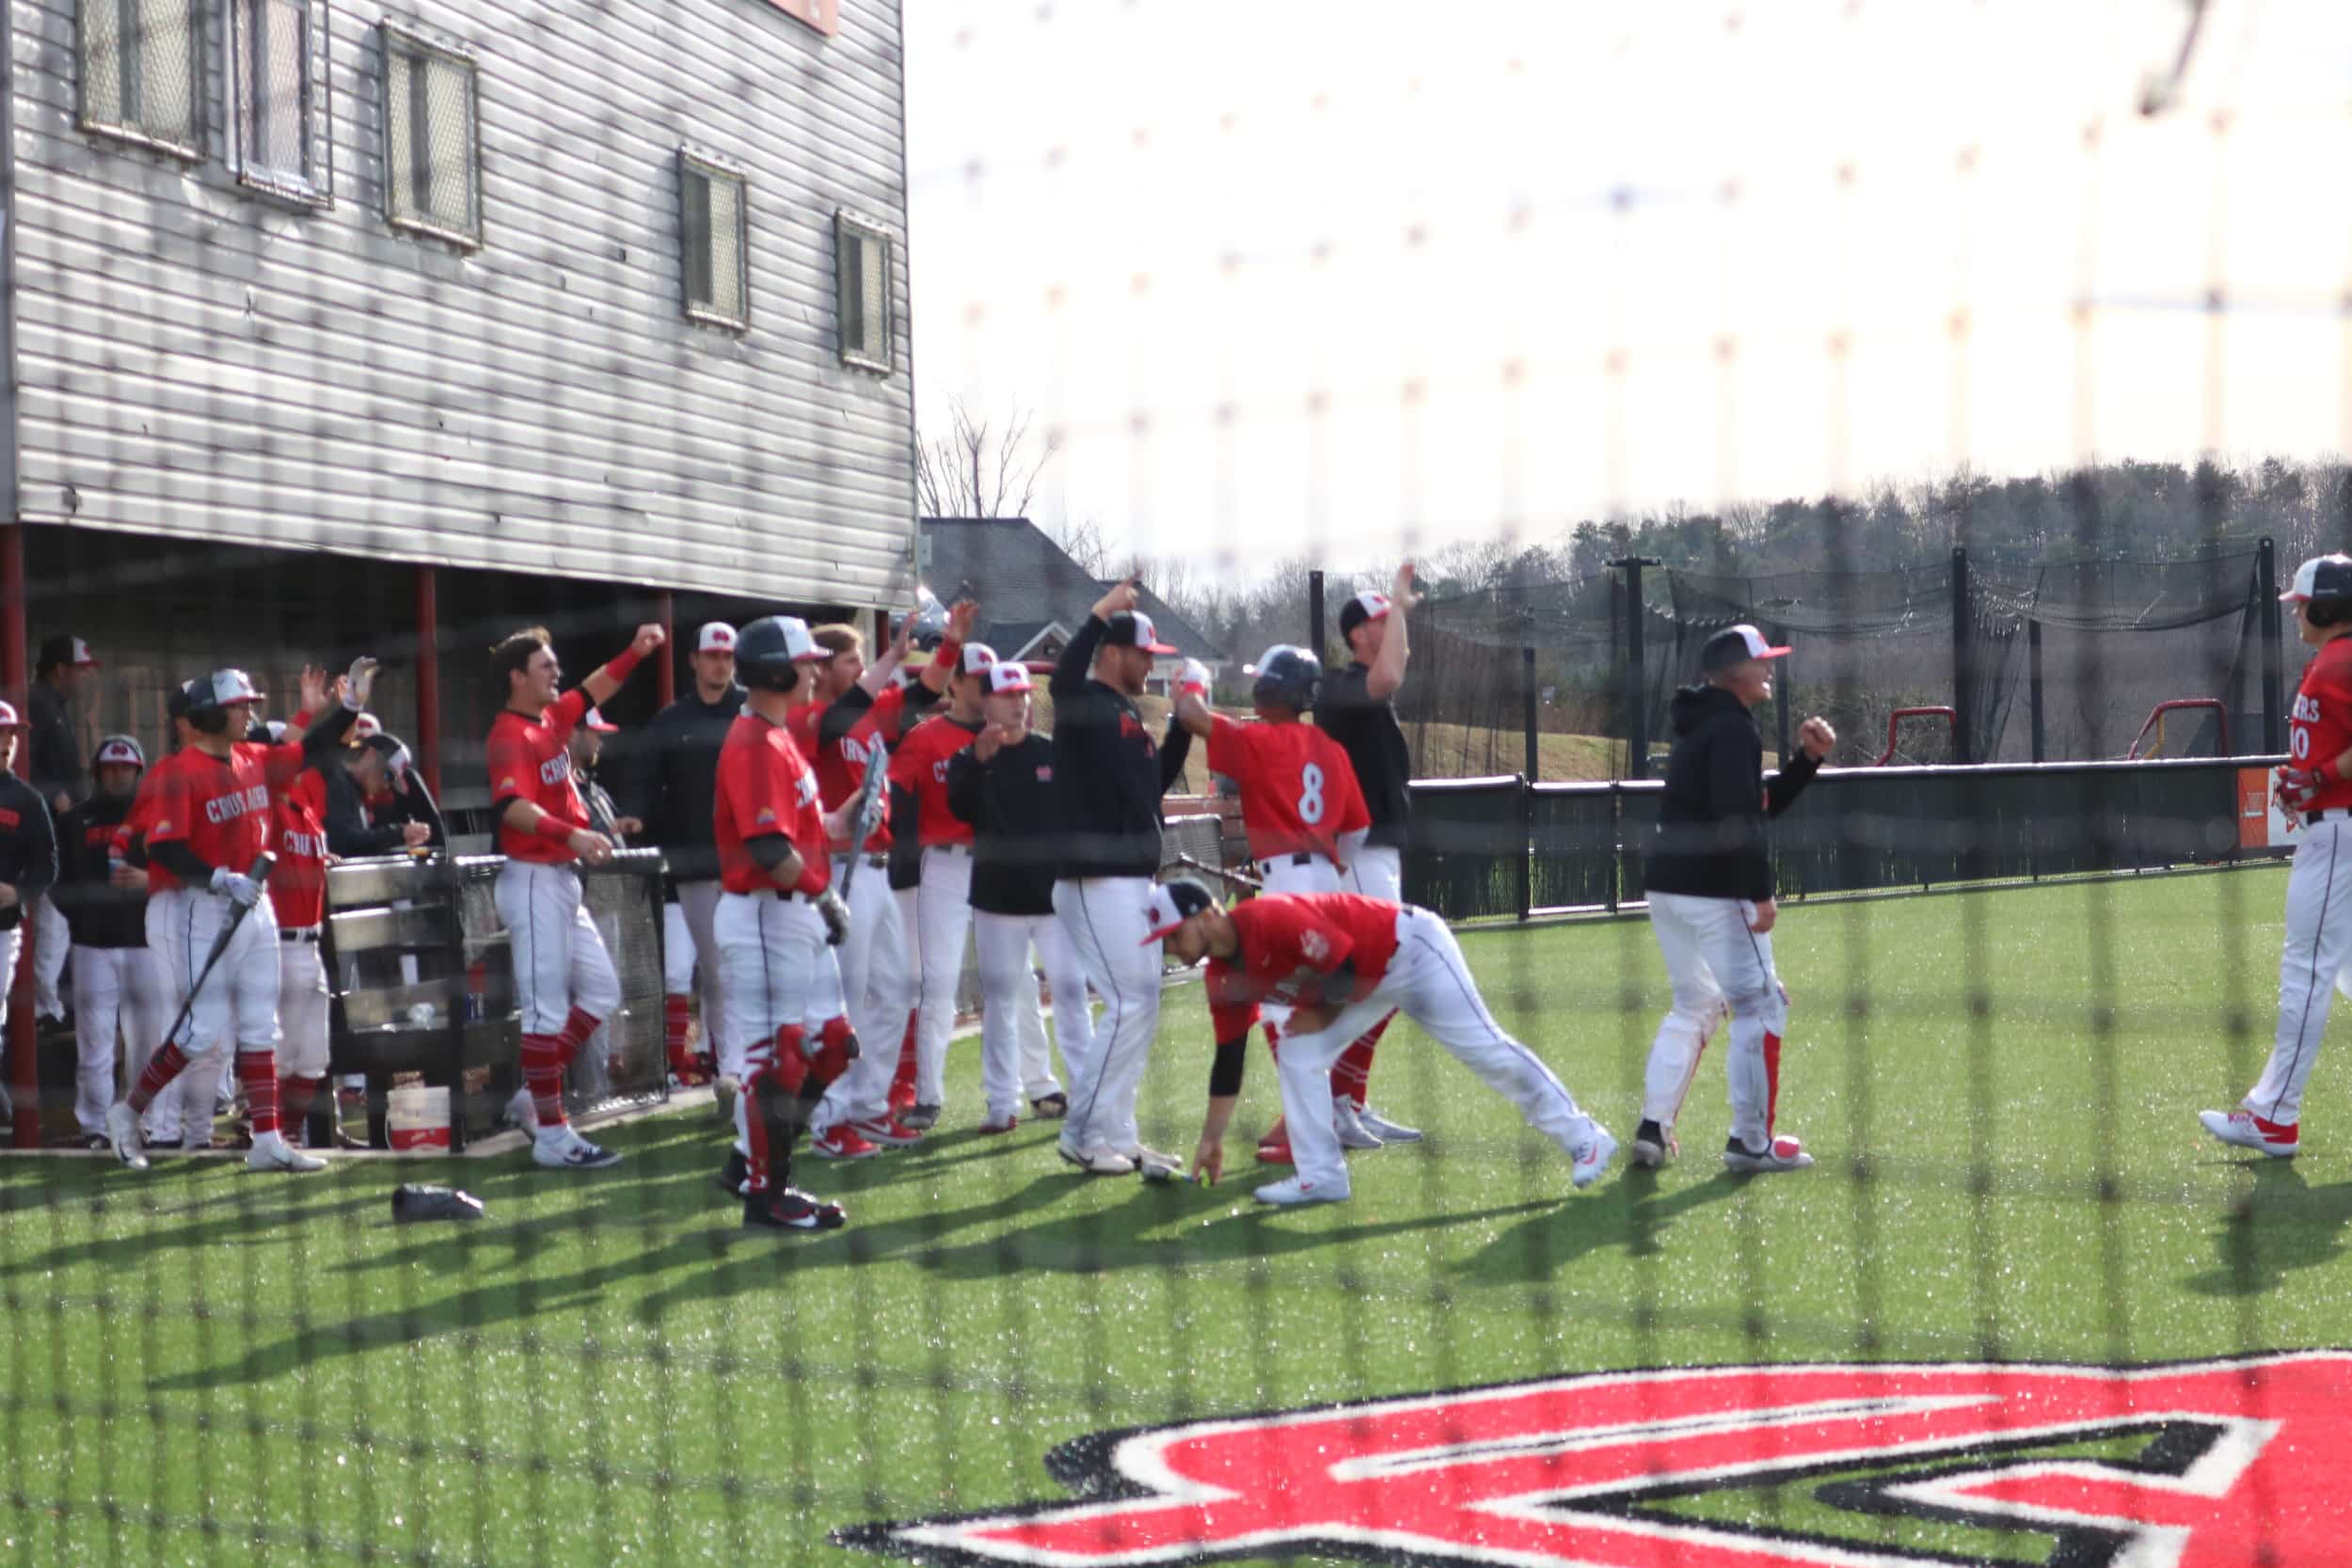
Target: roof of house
<point>1026,581</point>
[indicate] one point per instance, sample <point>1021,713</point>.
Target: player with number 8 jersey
<point>2314,791</point>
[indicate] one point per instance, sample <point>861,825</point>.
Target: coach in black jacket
<point>28,860</point>
<point>1111,777</point>
<point>1709,880</point>
<point>118,997</point>
<point>376,769</point>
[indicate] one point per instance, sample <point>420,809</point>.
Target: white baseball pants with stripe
<point>114,992</point>
<point>1110,924</point>
<point>1015,1059</point>
<point>302,1043</point>
<point>1429,983</point>
<point>2318,949</point>
<point>559,958</point>
<point>878,988</point>
<point>944,913</point>
<point>689,950</point>
<point>1716,965</point>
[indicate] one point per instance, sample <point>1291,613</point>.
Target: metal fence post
<point>1963,663</point>
<point>2033,687</point>
<point>1527,710</point>
<point>1636,685</point>
<point>1526,844</point>
<point>2266,608</point>
<point>1314,615</point>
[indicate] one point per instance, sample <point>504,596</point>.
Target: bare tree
<point>980,469</point>
<point>1084,543</point>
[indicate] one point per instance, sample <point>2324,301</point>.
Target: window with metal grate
<point>862,259</point>
<point>432,139</point>
<point>714,231</point>
<point>140,73</point>
<point>278,84</point>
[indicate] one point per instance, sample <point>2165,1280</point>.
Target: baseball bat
<point>263,866</point>
<point>869,799</point>
<point>1241,878</point>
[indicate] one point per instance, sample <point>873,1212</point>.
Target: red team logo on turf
<point>2205,1465</point>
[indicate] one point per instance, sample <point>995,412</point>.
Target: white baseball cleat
<point>1382,1128</point>
<point>122,1130</point>
<point>1150,1163</point>
<point>2245,1130</point>
<point>1592,1155</point>
<point>1349,1123</point>
<point>562,1148</point>
<point>1297,1190</point>
<point>1097,1161</point>
<point>1778,1154</point>
<point>271,1152</point>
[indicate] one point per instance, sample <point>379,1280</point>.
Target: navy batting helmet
<point>768,651</point>
<point>1286,677</point>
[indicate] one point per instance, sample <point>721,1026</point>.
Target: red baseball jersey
<point>530,760</point>
<point>1298,789</point>
<point>841,767</point>
<point>766,787</point>
<point>1290,938</point>
<point>219,807</point>
<point>2320,727</point>
<point>919,766</point>
<point>297,889</point>
<point>140,818</point>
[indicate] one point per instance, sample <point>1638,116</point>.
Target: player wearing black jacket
<point>28,860</point>
<point>116,991</point>
<point>1111,777</point>
<point>1002,785</point>
<point>1709,878</point>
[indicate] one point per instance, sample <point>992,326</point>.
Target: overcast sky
<point>1356,278</point>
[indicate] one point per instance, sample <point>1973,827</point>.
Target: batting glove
<point>238,886</point>
<point>836,917</point>
<point>1193,679</point>
<point>2299,786</point>
<point>358,682</point>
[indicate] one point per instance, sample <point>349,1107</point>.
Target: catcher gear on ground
<point>1286,677</point>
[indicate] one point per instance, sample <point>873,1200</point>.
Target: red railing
<point>2156,719</point>
<point>1951,718</point>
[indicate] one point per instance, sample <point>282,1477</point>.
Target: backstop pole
<point>2266,608</point>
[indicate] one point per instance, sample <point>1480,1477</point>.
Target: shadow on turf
<point>2281,1225</point>
<point>1630,1213</point>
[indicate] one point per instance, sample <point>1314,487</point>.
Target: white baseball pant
<point>1011,1012</point>
<point>302,1041</point>
<point>1377,871</point>
<point>1110,924</point>
<point>591,1076</point>
<point>1429,983</point>
<point>237,1009</point>
<point>1716,965</point>
<point>2318,949</point>
<point>54,940</point>
<point>773,958</point>
<point>878,988</point>
<point>559,961</point>
<point>689,951</point>
<point>943,914</point>
<point>114,992</point>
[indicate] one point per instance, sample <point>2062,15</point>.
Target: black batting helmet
<point>769,651</point>
<point>1287,677</point>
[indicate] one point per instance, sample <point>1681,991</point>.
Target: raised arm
<point>608,677</point>
<point>1388,666</point>
<point>1070,676</point>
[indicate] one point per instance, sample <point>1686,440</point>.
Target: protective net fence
<point>1908,1186</point>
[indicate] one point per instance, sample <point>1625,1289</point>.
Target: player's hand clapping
<point>1816,737</point>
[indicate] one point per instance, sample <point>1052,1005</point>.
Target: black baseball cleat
<point>731,1175</point>
<point>790,1209</point>
<point>1651,1145</point>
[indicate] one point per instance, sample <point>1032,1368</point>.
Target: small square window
<point>431,139</point>
<point>140,78</point>
<point>862,263</point>
<point>278,75</point>
<point>714,232</point>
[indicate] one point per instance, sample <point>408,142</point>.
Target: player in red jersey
<point>1306,819</point>
<point>564,980</point>
<point>1339,960</point>
<point>2315,790</point>
<point>857,714</point>
<point>777,915</point>
<point>209,823</point>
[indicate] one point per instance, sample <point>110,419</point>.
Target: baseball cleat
<point>122,1131</point>
<point>1275,1147</point>
<point>1097,1161</point>
<point>273,1153</point>
<point>723,1089</point>
<point>1298,1190</point>
<point>790,1209</point>
<point>1348,1124</point>
<point>992,1126</point>
<point>1050,1107</point>
<point>841,1142</point>
<point>568,1151</point>
<point>1591,1156</point>
<point>1653,1145</point>
<point>1778,1154</point>
<point>921,1118</point>
<point>887,1130</point>
<point>731,1175</point>
<point>2243,1128</point>
<point>1382,1128</point>
<point>1152,1162</point>
<point>523,1112</point>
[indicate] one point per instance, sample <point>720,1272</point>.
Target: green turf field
<point>205,1366</point>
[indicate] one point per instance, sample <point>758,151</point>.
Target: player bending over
<point>1341,961</point>
<point>1710,876</point>
<point>2315,790</point>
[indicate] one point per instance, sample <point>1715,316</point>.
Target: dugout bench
<point>421,986</point>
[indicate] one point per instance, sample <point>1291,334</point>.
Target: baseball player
<point>209,822</point>
<point>105,905</point>
<point>565,983</point>
<point>2314,790</point>
<point>1339,960</point>
<point>1111,776</point>
<point>777,914</point>
<point>55,762</point>
<point>297,898</point>
<point>854,714</point>
<point>1710,876</point>
<point>668,787</point>
<point>1002,787</point>
<point>29,855</point>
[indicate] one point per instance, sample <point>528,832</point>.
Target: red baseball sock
<point>902,1086</point>
<point>577,1029</point>
<point>294,1097</point>
<point>1351,1075</point>
<point>161,1069</point>
<point>754,1130</point>
<point>257,1074</point>
<point>542,1075</point>
<point>677,1020</point>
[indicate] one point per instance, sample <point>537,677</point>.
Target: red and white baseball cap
<point>1736,645</point>
<point>975,658</point>
<point>8,720</point>
<point>1173,903</point>
<point>716,637</point>
<point>1366,606</point>
<point>119,749</point>
<point>63,649</point>
<point>1008,675</point>
<point>599,722</point>
<point>222,689</point>
<point>366,725</point>
<point>1133,628</point>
